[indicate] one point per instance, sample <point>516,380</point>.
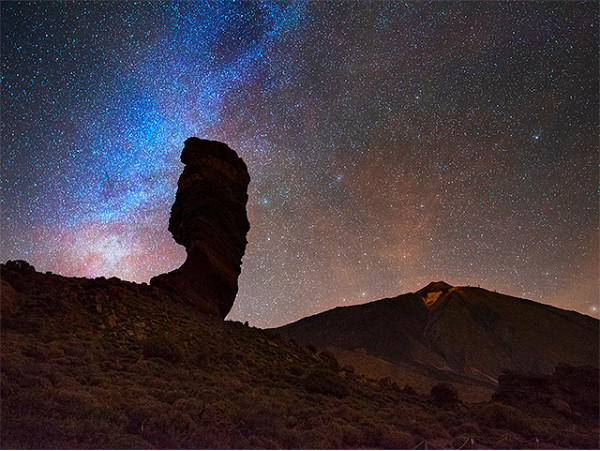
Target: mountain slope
<point>468,332</point>
<point>97,363</point>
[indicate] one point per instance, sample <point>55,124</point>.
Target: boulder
<point>19,265</point>
<point>570,390</point>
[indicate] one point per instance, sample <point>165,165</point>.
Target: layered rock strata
<point>209,219</point>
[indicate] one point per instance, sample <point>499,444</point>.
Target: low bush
<point>296,370</point>
<point>325,383</point>
<point>394,439</point>
<point>127,441</point>
<point>444,394</point>
<point>330,359</point>
<point>352,436</point>
<point>161,347</point>
<point>501,416</point>
<point>430,430</point>
<point>469,429</point>
<point>201,355</point>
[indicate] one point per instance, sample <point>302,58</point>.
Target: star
<point>388,145</point>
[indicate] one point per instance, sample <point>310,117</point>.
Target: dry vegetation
<point>108,364</point>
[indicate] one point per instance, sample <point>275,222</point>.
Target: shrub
<point>201,355</point>
<point>259,442</point>
<point>326,383</point>
<point>394,439</point>
<point>352,436</point>
<point>330,359</point>
<point>469,429</point>
<point>161,347</point>
<point>462,440</point>
<point>19,265</point>
<point>167,396</point>
<point>127,441</point>
<point>444,394</point>
<point>256,415</point>
<point>349,369</point>
<point>408,390</point>
<point>501,416</point>
<point>430,430</point>
<point>320,438</point>
<point>296,370</point>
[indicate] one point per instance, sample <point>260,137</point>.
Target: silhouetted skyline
<point>389,144</point>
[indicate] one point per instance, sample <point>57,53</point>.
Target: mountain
<point>463,334</point>
<point>104,363</point>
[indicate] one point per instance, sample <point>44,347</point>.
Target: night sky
<point>389,144</point>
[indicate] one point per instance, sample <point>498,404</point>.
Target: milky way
<point>389,144</point>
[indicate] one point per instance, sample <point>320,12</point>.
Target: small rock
<point>560,405</point>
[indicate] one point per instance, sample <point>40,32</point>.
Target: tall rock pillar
<point>209,219</point>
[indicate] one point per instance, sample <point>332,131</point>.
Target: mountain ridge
<point>468,331</point>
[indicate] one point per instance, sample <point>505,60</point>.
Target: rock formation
<point>569,390</point>
<point>209,219</point>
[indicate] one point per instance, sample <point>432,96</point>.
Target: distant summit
<point>209,219</point>
<point>433,291</point>
<point>464,334</point>
<point>435,286</point>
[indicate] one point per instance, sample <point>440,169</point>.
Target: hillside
<point>97,363</point>
<point>465,335</point>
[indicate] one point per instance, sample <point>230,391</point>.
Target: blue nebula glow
<point>389,143</point>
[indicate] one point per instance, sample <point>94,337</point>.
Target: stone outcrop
<point>209,219</point>
<point>570,390</point>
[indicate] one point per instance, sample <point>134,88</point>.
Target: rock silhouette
<point>209,218</point>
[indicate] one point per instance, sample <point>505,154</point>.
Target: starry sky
<point>389,144</point>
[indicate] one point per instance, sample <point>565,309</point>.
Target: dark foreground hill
<point>96,363</point>
<point>465,335</point>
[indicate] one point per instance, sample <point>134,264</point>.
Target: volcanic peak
<point>435,286</point>
<point>432,292</point>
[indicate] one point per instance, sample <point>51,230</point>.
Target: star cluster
<point>389,143</point>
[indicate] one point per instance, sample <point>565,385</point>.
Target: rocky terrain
<point>103,363</point>
<point>465,335</point>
